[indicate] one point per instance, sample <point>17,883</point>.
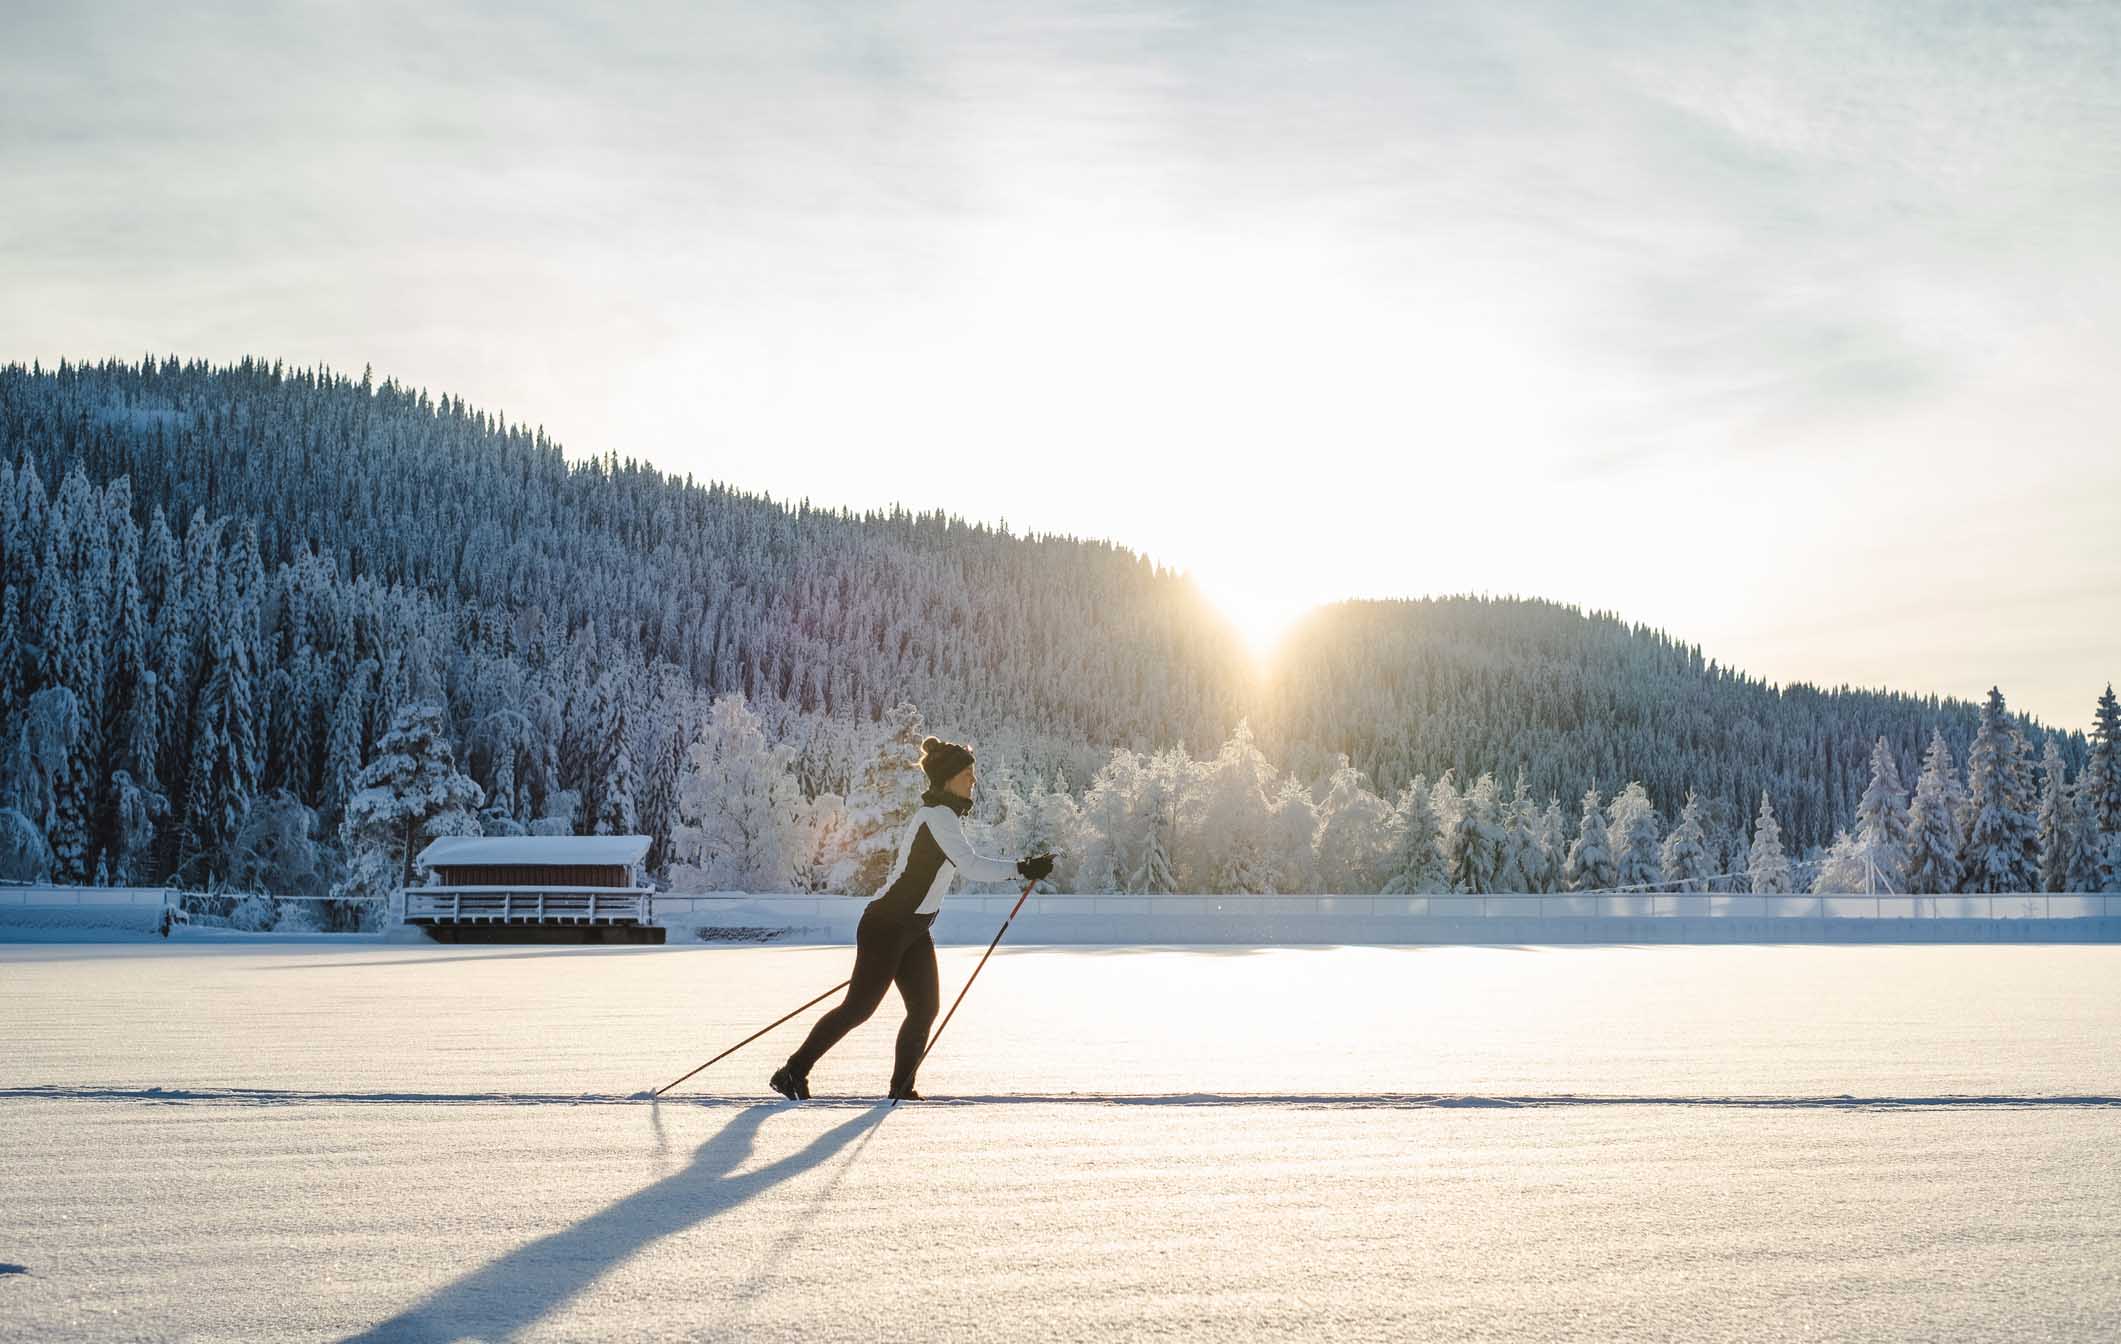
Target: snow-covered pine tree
<point>224,776</point>
<point>410,792</point>
<point>886,794</point>
<point>1521,862</point>
<point>2085,874</point>
<point>617,781</point>
<point>1632,824</point>
<point>1934,839</point>
<point>1882,826</point>
<point>1767,866</point>
<point>348,743</point>
<point>1552,847</point>
<point>737,808</point>
<point>659,791</point>
<point>1684,857</point>
<point>130,707</point>
<point>2025,796</point>
<point>2100,792</point>
<point>1590,864</point>
<point>1158,808</point>
<point>2059,841</point>
<point>69,828</point>
<point>134,813</point>
<point>12,677</point>
<point>1416,864</point>
<point>1475,842</point>
<point>1154,876</point>
<point>2000,839</point>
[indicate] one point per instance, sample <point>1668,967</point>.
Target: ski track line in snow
<point>262,1096</point>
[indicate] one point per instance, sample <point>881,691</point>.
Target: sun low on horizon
<point>1262,616</point>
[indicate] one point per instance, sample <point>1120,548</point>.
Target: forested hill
<point>242,574</point>
<point>1576,701</point>
<point>829,611</point>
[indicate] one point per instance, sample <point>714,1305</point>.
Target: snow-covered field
<point>319,1140</point>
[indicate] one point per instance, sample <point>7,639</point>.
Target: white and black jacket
<point>932,851</point>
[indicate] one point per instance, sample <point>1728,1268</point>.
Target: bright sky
<point>1788,327</point>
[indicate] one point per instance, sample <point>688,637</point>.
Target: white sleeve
<point>949,832</point>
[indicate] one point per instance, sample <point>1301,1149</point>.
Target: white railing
<point>35,894</point>
<point>527,905</point>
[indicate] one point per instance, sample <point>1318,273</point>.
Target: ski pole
<point>760,1032</point>
<point>970,978</point>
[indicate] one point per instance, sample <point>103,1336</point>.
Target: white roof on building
<point>536,849</point>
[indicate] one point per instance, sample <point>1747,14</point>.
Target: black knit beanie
<point>941,760</point>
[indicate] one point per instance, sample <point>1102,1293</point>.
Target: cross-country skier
<point>891,944</point>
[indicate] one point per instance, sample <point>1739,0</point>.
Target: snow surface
<point>315,1140</point>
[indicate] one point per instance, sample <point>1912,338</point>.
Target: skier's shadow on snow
<point>507,1295</point>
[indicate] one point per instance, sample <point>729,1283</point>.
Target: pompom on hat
<point>941,760</point>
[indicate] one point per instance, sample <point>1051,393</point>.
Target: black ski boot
<point>790,1084</point>
<point>904,1093</point>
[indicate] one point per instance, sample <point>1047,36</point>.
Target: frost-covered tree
<point>275,850</point>
<point>1290,827</point>
<point>2084,873</point>
<point>1882,826</point>
<point>1590,864</point>
<point>2058,825</point>
<point>1354,834</point>
<point>1523,862</point>
<point>2099,791</point>
<point>1934,839</point>
<point>348,744</point>
<point>615,778</point>
<point>224,763</point>
<point>820,842</point>
<point>352,591</point>
<point>1473,846</point>
<point>885,796</point>
<point>1767,866</point>
<point>1233,817</point>
<point>1632,828</point>
<point>1684,857</point>
<point>1843,872</point>
<point>134,812</point>
<point>44,760</point>
<point>2000,848</point>
<point>24,857</point>
<point>12,673</point>
<point>1108,823</point>
<point>410,792</point>
<point>1158,811</point>
<point>737,808</point>
<point>1416,865</point>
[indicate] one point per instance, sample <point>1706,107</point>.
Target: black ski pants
<point>888,949</point>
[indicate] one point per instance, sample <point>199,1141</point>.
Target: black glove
<point>1036,868</point>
